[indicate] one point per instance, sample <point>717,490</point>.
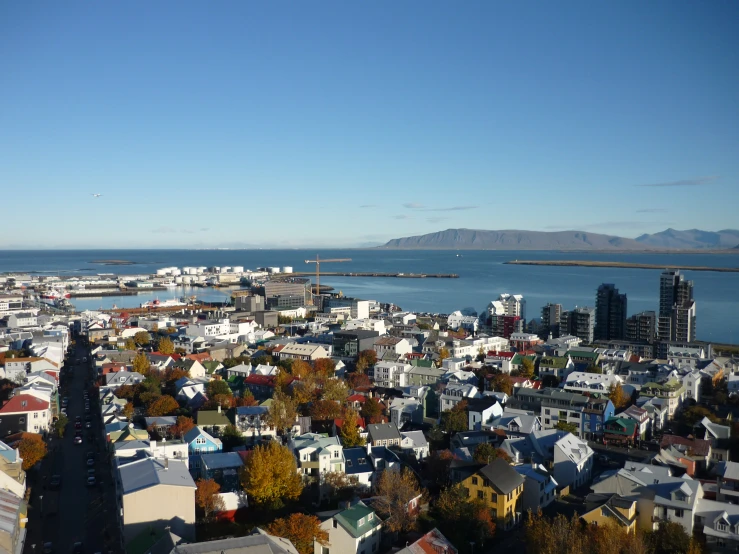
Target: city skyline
<point>410,118</point>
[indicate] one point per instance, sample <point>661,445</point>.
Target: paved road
<point>76,512</point>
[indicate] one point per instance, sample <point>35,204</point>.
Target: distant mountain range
<point>475,239</point>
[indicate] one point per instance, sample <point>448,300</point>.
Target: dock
<point>380,274</point>
<point>621,265</point>
<point>96,293</point>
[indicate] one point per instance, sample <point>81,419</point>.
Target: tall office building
<point>550,316</point>
<point>641,327</point>
<point>580,323</point>
<point>676,321</point>
<point>610,313</point>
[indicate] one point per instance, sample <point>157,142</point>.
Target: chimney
<point>166,463</point>
<point>219,408</point>
<point>369,447</point>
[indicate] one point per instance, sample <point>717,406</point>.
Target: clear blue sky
<point>347,123</point>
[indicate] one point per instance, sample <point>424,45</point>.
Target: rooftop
<point>150,472</point>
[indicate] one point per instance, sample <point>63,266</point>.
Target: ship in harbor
<point>50,296</point>
<point>156,303</point>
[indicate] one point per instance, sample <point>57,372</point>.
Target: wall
<point>160,506</point>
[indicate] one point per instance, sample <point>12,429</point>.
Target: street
<point>76,512</point>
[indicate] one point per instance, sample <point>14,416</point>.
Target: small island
<point>622,265</point>
<point>113,262</point>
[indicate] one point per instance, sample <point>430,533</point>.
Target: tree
<point>335,389</point>
<point>670,538</point>
<point>325,410</point>
<point>438,465</point>
<point>300,369</point>
<point>502,383</point>
<point>206,497</point>
<point>142,338</point>
<point>246,399</point>
<point>282,412</point>
<point>183,425</point>
<point>60,425</point>
<point>128,410</point>
<point>593,369</point>
<point>366,358</point>
<point>32,449</point>
<point>141,364</point>
<point>126,392</point>
<point>550,381</point>
<point>566,426</point>
<point>270,476</point>
<point>485,453</point>
<point>395,491</point>
<point>349,432</point>
<point>463,520</point>
<point>694,414</point>
<point>443,355</point>
<point>617,395</point>
<point>165,346</point>
<point>357,380</point>
<point>325,367</point>
<point>218,386</point>
<point>302,530</point>
<point>231,437</point>
<point>527,368</point>
<point>340,486</point>
<point>456,419</point>
<point>372,411</point>
<point>130,344</point>
<point>162,406</point>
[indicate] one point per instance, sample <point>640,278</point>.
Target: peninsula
<point>622,265</point>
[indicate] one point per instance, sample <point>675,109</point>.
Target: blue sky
<point>349,123</point>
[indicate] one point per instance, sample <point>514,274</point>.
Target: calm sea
<point>483,276</point>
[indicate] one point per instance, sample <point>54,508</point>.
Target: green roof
<point>422,363</point>
<point>212,417</point>
<point>351,517</point>
<point>518,359</point>
<point>583,354</point>
<point>628,424</point>
<point>210,365</point>
<point>558,362</point>
<point>668,386</point>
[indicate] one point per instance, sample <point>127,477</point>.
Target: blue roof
<point>221,460</point>
<point>357,461</point>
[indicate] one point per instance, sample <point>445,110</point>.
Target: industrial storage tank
<point>162,272</point>
<point>238,269</point>
<point>287,269</point>
<point>187,280</point>
<point>274,269</point>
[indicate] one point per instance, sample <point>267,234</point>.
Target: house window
<point>35,415</point>
<point>474,480</point>
<point>480,495</point>
<point>335,524</point>
<point>678,513</point>
<point>22,420</point>
<point>494,498</point>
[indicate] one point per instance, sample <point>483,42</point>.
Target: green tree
<point>462,519</point>
<point>593,369</point>
<point>270,476</point>
<point>566,426</point>
<point>694,414</point>
<point>218,386</point>
<point>142,338</point>
<point>231,437</point>
<point>166,346</point>
<point>60,425</point>
<point>335,389</point>
<point>349,432</point>
<point>670,538</point>
<point>485,453</point>
<point>456,420</point>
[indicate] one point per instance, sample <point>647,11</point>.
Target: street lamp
<point>41,498</point>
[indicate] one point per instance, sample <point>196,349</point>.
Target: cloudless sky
<point>334,123</point>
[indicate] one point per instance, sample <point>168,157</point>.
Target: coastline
<point>621,265</point>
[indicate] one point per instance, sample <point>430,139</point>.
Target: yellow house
<point>500,487</point>
<point>612,508</point>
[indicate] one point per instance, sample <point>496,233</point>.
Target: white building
<point>539,487</point>
<point>391,374</point>
<point>454,394</point>
<point>573,462</point>
<point>580,381</point>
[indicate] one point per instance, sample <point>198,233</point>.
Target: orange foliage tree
<point>162,406</point>
<point>301,530</point>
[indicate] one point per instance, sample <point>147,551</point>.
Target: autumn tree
<point>302,530</point>
<point>162,406</point>
<point>270,476</point>
<point>305,390</point>
<point>32,449</point>
<point>165,346</point>
<point>340,486</point>
<point>395,490</point>
<point>130,344</point>
<point>207,498</point>
<point>462,519</point>
<point>694,414</point>
<point>246,399</point>
<point>141,364</point>
<point>300,369</point>
<point>142,338</point>
<point>183,425</point>
<point>216,387</point>
<point>617,395</point>
<point>325,367</point>
<point>671,538</point>
<point>357,380</point>
<point>372,411</point>
<point>563,425</point>
<point>502,383</point>
<point>325,410</point>
<point>437,467</point>
<point>443,355</point>
<point>282,412</point>
<point>349,433</point>
<point>366,359</point>
<point>456,419</point>
<point>128,410</point>
<point>527,368</point>
<point>335,389</point>
<point>486,453</point>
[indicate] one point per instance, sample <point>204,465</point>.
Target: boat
<point>50,296</point>
<point>169,284</point>
<point>156,303</point>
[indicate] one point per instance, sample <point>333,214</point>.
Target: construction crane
<point>318,261</point>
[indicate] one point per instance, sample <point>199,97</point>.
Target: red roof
<point>415,355</point>
<point>699,447</point>
<point>504,355</point>
<point>360,422</point>
<point>52,374</point>
<point>256,379</point>
<point>357,398</point>
<point>203,356</point>
<point>16,404</point>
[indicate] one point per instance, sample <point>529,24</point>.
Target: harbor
<point>621,265</point>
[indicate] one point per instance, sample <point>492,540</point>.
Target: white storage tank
<point>176,271</point>
<point>287,269</point>
<point>238,269</point>
<point>274,269</point>
<point>162,272</point>
<point>187,279</point>
<point>201,269</point>
<point>226,269</point>
<point>178,279</point>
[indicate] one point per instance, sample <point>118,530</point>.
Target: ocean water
<point>483,276</point>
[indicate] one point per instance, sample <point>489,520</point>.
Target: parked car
<point>55,482</point>
<point>91,481</point>
<point>90,455</point>
<point>48,548</point>
<point>78,439</point>
<point>91,473</point>
<point>90,462</point>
